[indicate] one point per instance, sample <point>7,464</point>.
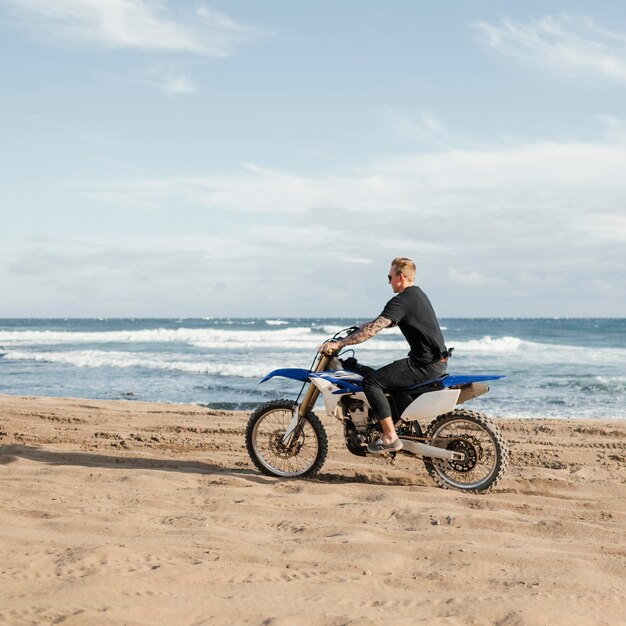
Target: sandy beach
<point>135,513</point>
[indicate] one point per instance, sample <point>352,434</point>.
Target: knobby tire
<point>264,448</point>
<point>442,471</point>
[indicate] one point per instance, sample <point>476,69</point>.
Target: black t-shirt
<point>412,312</point>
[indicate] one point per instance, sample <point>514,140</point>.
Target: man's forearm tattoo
<point>367,331</point>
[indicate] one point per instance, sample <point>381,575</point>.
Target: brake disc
<point>470,448</point>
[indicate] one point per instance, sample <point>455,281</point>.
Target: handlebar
<point>349,331</point>
<point>342,334</point>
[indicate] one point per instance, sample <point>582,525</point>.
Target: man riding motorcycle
<point>411,311</point>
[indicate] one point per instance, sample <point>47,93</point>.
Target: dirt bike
<point>461,449</point>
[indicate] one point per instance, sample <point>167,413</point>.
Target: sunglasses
<point>389,276</point>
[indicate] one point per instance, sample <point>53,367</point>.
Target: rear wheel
<point>305,454</point>
<point>485,452</point>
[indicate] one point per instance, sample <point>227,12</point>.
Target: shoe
<point>378,447</point>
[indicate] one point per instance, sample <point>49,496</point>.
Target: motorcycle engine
<point>355,426</point>
<point>358,414</point>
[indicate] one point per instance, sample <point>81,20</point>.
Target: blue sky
<point>250,158</point>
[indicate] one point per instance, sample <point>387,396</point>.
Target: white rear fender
<point>431,404</point>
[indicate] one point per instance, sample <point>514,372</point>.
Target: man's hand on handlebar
<point>332,347</point>
<point>329,347</point>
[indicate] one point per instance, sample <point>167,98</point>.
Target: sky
<point>247,159</point>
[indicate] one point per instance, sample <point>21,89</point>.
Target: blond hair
<point>404,266</point>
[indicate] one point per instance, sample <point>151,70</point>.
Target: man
<point>412,312</point>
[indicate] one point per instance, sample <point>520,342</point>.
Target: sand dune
<point>137,513</point>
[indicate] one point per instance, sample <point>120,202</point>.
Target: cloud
<point>134,25</point>
<point>166,255</point>
<point>471,278</point>
<point>179,85</point>
<point>138,26</point>
<point>423,127</point>
<point>614,128</point>
<point>509,230</point>
<point>528,221</point>
<point>569,45</point>
<point>346,258</point>
<point>604,227</point>
<point>558,181</point>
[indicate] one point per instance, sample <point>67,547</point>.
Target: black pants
<point>402,373</point>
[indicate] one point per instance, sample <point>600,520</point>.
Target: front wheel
<point>305,454</point>
<point>485,453</point>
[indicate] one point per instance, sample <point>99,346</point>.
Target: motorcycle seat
<point>427,385</point>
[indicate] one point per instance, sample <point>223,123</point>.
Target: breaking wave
<point>191,336</point>
<point>535,351</point>
<point>594,384</point>
<point>99,358</point>
<point>305,339</point>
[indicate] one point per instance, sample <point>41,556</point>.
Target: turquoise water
<point>554,367</point>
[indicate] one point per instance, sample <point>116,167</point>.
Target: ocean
<point>561,367</point>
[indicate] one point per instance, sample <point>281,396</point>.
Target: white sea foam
<point>611,384</point>
<point>191,336</point>
<point>99,358</point>
<point>276,322</point>
<point>614,384</point>
<point>488,345</point>
<point>327,329</point>
<point>534,351</point>
<point>306,339</point>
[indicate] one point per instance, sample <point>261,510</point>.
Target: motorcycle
<point>461,449</point>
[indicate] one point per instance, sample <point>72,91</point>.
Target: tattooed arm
<point>365,332</point>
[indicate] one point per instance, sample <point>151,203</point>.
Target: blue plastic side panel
<point>352,386</point>
<point>455,381</point>
<point>345,385</point>
<point>294,373</point>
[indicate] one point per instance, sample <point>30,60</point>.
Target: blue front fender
<point>295,373</point>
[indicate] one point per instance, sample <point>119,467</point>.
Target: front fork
<point>308,402</point>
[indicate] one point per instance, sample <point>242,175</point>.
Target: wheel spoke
<point>292,460</point>
<point>477,444</point>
